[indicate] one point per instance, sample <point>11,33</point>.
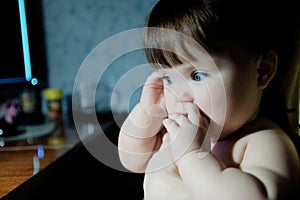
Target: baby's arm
<point>264,173</point>
<point>140,134</point>
<point>269,167</point>
<point>138,139</point>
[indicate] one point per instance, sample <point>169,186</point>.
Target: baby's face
<point>222,88</point>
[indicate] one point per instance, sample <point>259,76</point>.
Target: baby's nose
<point>185,97</point>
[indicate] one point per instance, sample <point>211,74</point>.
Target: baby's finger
<point>155,78</point>
<point>158,111</point>
<point>180,119</point>
<point>192,112</point>
<point>165,140</point>
<point>171,125</point>
<point>183,141</point>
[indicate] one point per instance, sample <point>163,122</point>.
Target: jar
<point>53,99</point>
<point>28,101</point>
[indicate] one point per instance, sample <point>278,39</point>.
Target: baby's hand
<point>152,96</point>
<point>186,130</point>
<point>145,120</point>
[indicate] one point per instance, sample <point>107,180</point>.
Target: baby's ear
<point>266,68</point>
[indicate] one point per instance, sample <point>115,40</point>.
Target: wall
<point>73,28</point>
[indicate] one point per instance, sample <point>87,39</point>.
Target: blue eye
<point>198,76</point>
<point>167,80</point>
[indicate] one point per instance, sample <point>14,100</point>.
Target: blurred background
<point>61,34</point>
<point>73,28</point>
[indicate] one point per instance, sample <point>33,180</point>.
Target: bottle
<point>28,101</point>
<point>53,99</point>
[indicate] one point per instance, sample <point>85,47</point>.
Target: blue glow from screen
<point>34,81</point>
<point>11,80</point>
<point>25,43</point>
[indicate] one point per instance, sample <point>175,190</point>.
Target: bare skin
<point>168,136</point>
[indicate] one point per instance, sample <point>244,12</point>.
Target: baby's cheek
<point>207,107</point>
<point>170,102</point>
<point>215,109</point>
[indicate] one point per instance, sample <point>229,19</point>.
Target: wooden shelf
<point>22,158</point>
<point>17,166</point>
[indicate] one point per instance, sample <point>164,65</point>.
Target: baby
<point>199,130</point>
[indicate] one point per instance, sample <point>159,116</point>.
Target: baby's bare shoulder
<point>268,148</point>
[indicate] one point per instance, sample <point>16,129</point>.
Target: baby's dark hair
<point>217,25</point>
<point>257,26</point>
